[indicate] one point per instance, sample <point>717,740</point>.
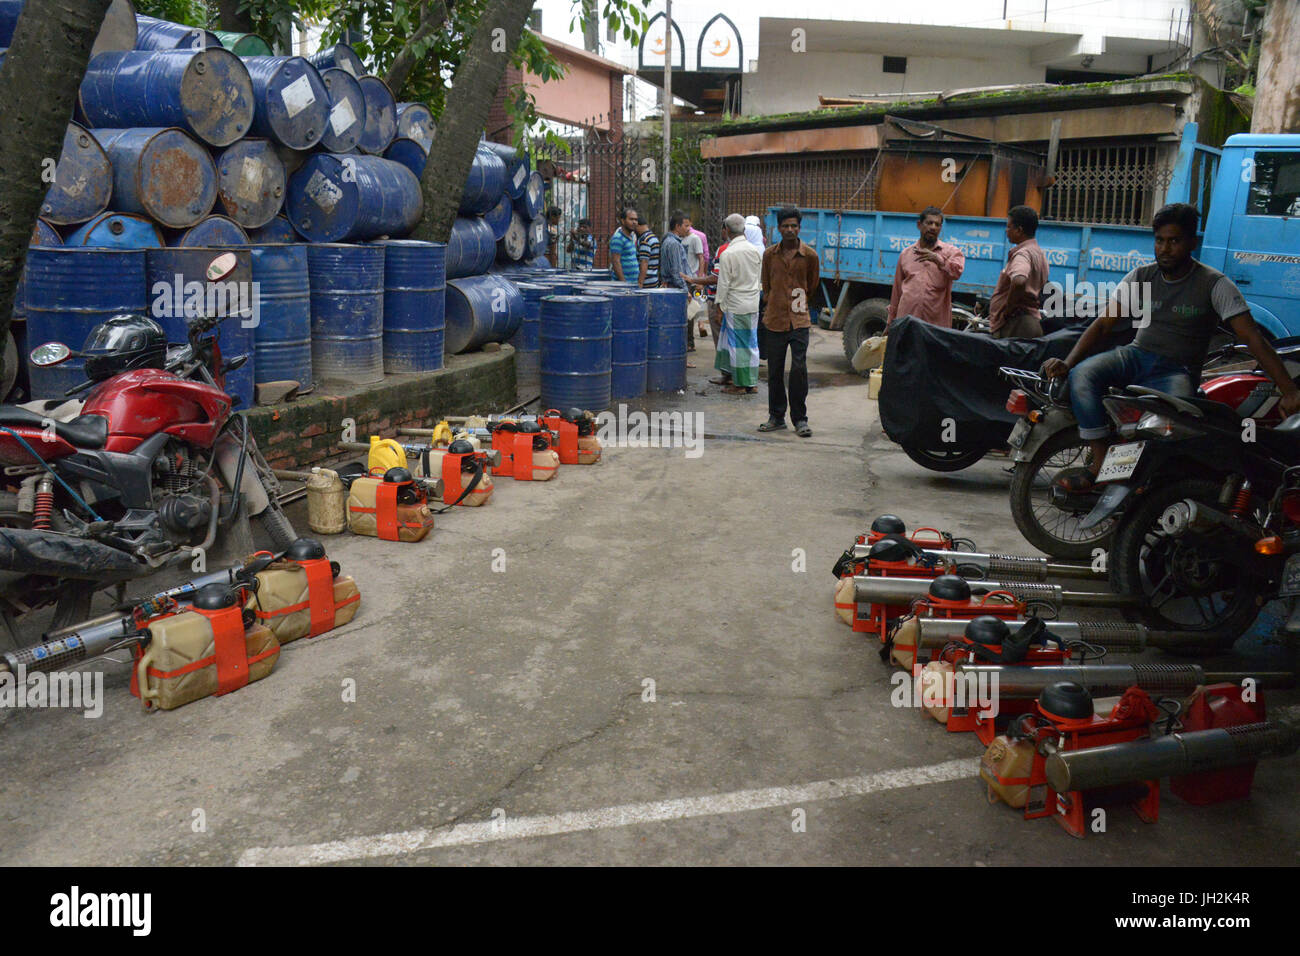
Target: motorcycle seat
<point>1217,412</point>
<point>84,431</point>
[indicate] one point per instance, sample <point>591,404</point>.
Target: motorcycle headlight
<point>1162,426</point>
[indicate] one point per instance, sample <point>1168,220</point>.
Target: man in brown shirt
<point>1013,309</point>
<point>790,277</point>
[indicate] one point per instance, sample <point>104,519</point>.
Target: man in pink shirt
<point>925,274</point>
<point>1013,308</point>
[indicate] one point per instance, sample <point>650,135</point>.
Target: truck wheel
<point>867,318</point>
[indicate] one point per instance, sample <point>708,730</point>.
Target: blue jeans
<point>1127,365</point>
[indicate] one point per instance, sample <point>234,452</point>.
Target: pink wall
<point>582,95</point>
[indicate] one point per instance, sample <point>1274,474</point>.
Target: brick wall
<point>498,128</point>
<point>306,432</point>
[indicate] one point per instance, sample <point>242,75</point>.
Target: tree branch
<point>431,20</point>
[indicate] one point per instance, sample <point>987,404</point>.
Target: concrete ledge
<point>304,432</point>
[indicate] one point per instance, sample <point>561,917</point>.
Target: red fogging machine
<point>1065,760</point>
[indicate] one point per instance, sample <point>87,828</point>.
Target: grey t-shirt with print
<point>1182,314</point>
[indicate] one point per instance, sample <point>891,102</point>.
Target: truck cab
<point>1252,227</point>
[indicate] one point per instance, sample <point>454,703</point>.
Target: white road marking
<point>491,831</point>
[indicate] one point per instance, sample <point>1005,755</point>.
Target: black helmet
<point>122,343</point>
<point>530,427</point>
<point>397,476</point>
<point>461,446</point>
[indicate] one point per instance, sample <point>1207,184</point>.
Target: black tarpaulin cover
<point>931,374</point>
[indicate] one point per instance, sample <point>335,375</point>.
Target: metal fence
<point>827,181</point>
<point>1113,185</point>
<point>598,172</point>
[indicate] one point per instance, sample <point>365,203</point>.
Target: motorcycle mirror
<point>51,353</point>
<point>221,266</point>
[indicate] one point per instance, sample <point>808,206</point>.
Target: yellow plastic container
<point>327,511</point>
<point>179,664</point>
<point>873,384</point>
<point>284,585</point>
<point>414,521</point>
<point>1005,767</point>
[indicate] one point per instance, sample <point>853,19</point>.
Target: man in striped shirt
<point>647,253</point>
<point>622,247</point>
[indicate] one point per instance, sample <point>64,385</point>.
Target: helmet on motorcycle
<point>122,343</point>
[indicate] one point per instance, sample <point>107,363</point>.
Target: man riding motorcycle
<point>1177,303</point>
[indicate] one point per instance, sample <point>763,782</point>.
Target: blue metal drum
<point>278,230</point>
<point>666,352</point>
<point>161,173</point>
<point>414,121</point>
<point>537,239</point>
<point>43,235</point>
<point>334,198</point>
<point>512,246</point>
<point>347,111</point>
<point>250,182</point>
<point>155,34</point>
<point>630,316</point>
<point>179,293</point>
<point>470,247</point>
<point>499,218</point>
<point>206,93</point>
<point>347,312</point>
<point>282,336</point>
<point>481,309</point>
<point>339,56</point>
<point>117,230</point>
<point>517,167</point>
<point>576,351</point>
<point>83,180</point>
<point>381,116</point>
<point>485,185</point>
<point>69,292</point>
<point>533,199</point>
<point>292,103</point>
<point>409,153</point>
<point>527,341</point>
<point>559,286</point>
<point>212,231</point>
<point>415,283</point>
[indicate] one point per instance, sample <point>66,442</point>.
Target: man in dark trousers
<point>789,279</point>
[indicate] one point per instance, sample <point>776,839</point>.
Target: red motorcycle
<point>145,477</point>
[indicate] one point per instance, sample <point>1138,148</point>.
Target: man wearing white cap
<point>754,232</point>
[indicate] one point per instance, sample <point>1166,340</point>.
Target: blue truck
<point>1248,193</point>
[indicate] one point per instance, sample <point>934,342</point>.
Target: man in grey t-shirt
<point>1176,304</point>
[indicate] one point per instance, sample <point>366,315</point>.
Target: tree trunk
<point>230,18</point>
<point>432,16</point>
<point>468,101</point>
<point>1277,88</point>
<point>38,84</point>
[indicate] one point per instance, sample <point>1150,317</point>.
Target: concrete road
<point>508,717</point>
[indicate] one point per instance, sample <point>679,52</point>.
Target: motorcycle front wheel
<point>1050,527</point>
<point>1181,583</point>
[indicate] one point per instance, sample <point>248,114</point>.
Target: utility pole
<point>668,106</point>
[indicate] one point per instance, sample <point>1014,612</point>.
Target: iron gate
<point>598,172</point>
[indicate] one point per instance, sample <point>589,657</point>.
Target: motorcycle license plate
<point>1019,433</point>
<point>1290,577</point>
<point>1121,461</point>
